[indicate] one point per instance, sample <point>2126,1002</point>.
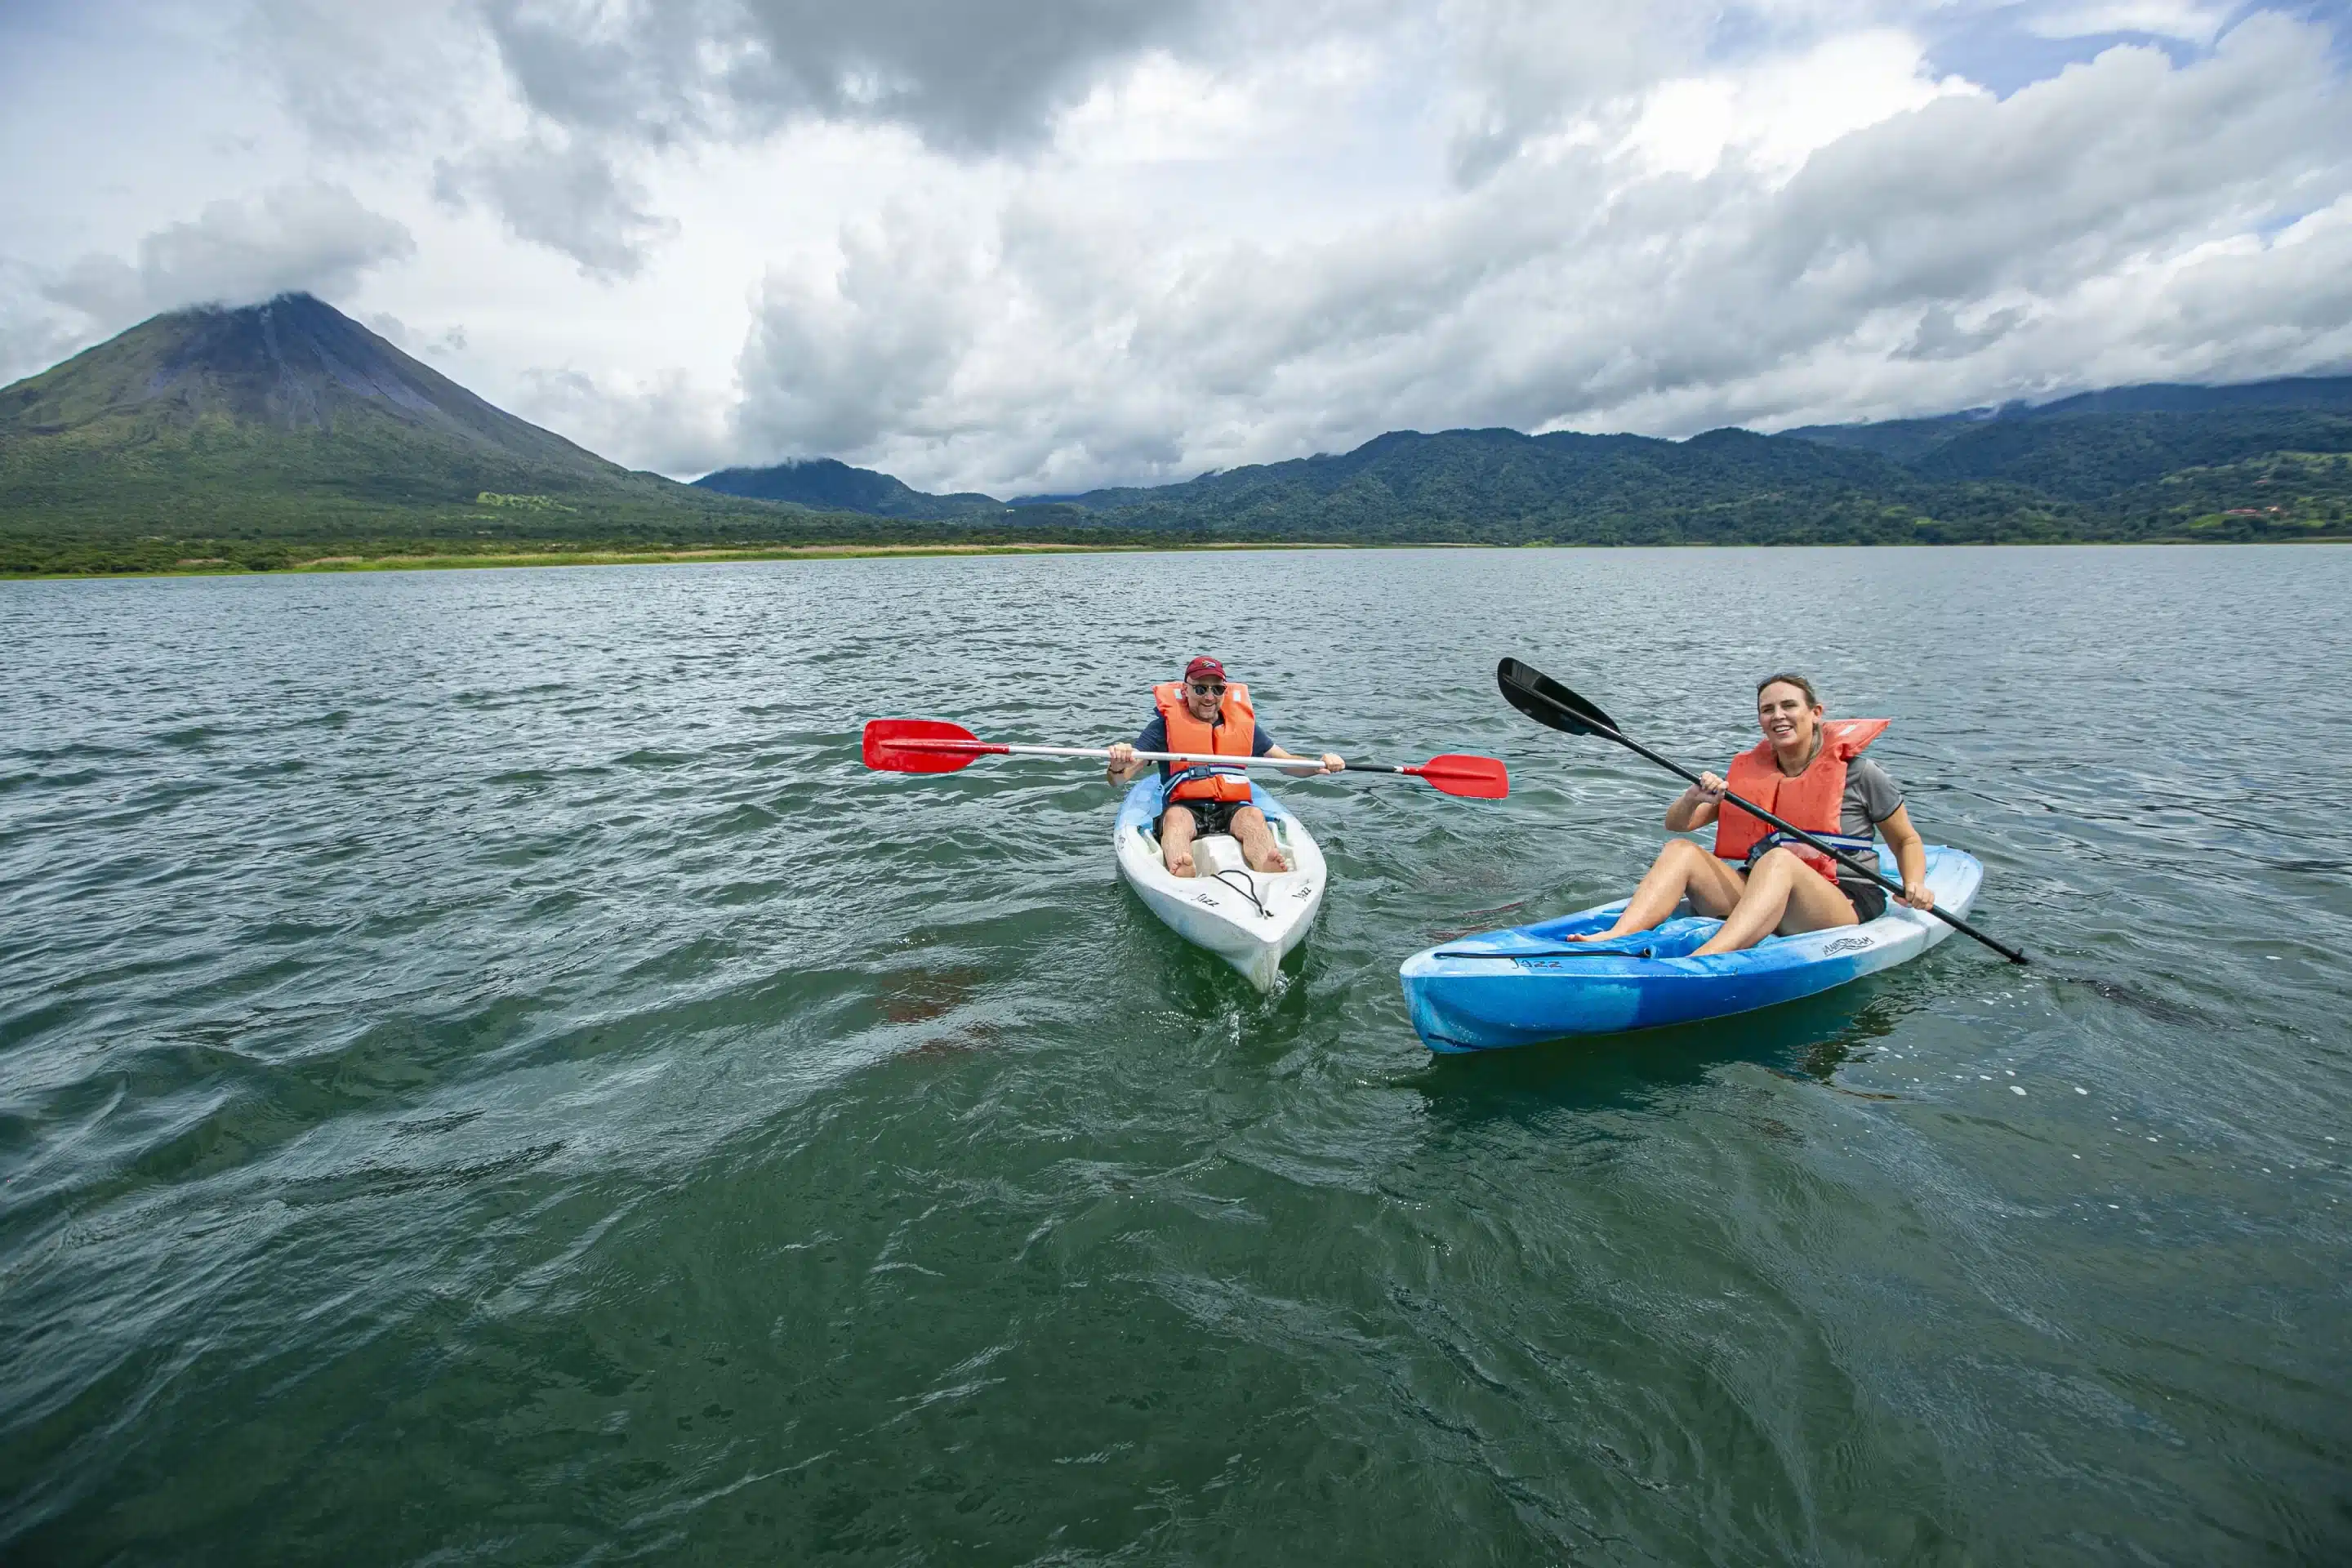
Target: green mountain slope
<point>264,434</point>
<point>1897,440</point>
<point>1502,487</point>
<point>832,486</point>
<point>1912,440</point>
<point>2087,456</point>
<point>2155,462</point>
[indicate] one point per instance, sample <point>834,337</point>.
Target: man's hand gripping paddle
<point>1549,703</point>
<point>933,746</point>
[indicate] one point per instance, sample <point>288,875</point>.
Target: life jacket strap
<point>1197,771</point>
<point>1862,849</point>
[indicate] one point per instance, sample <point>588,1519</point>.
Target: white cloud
<point>665,412</point>
<point>315,237</point>
<point>2184,19</point>
<point>560,193</point>
<point>1778,113</point>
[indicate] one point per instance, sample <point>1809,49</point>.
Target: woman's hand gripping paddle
<point>1549,703</point>
<point>933,746</point>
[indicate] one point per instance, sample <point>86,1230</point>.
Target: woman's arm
<point>1911,855</point>
<point>1698,805</point>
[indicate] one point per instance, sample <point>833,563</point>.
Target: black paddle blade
<point>1546,702</point>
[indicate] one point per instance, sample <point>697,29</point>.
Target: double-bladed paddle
<point>1548,702</point>
<point>934,746</point>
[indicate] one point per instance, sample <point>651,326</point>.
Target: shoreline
<point>328,564</point>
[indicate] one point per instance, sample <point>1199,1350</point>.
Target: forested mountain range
<point>285,432</point>
<point>2265,460</point>
<point>829,485</point>
<point>2227,473</point>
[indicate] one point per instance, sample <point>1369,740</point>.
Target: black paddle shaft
<point>1584,721</point>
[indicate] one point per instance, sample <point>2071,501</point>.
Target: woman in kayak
<point>1204,714</point>
<point>1807,771</point>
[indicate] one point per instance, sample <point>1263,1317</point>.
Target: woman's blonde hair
<point>1799,681</point>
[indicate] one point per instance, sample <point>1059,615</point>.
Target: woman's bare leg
<point>1783,895</point>
<point>1176,829</point>
<point>1681,869</point>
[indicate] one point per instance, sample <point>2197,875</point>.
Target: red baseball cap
<point>1203,665</point>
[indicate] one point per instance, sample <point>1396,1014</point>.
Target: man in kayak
<point>1206,714</point>
<point>1807,771</point>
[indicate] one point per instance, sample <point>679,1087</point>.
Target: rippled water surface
<point>485,1077</point>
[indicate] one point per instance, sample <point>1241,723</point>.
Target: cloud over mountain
<point>293,239</point>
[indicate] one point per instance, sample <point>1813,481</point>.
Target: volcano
<point>287,421</point>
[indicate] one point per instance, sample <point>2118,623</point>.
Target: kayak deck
<point>1528,984</point>
<point>1250,918</point>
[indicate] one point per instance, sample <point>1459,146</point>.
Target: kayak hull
<point>1249,919</point>
<point>1527,985</point>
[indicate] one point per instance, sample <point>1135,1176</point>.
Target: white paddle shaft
<point>1169,757</point>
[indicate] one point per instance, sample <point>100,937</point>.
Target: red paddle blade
<point>921,745</point>
<point>1480,778</point>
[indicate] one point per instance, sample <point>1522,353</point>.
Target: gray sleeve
<point>1870,795</point>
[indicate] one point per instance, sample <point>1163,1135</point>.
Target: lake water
<point>485,1077</point>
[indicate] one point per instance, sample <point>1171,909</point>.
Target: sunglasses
<point>1208,688</point>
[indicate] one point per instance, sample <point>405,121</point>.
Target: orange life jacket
<point>1234,735</point>
<point>1809,801</point>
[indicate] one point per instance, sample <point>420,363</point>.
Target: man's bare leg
<point>1258,847</point>
<point>1784,895</point>
<point>1681,869</point>
<point>1176,830</point>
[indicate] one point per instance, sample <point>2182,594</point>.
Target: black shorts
<point>1868,899</point>
<point>1207,815</point>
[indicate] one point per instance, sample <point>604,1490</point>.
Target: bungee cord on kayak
<point>1239,881</point>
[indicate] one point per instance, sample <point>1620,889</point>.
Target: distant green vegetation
<point>263,439</point>
<point>2240,476</point>
<point>533,503</point>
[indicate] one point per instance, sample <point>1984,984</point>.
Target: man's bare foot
<point>1598,936</point>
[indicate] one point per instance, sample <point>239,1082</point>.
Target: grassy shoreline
<point>488,561</point>
<point>522,558</point>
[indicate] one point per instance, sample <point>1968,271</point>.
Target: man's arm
<point>1329,763</point>
<point>1124,768</point>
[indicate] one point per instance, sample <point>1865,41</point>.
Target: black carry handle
<point>1564,710</point>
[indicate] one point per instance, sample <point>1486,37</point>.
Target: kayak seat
<point>1215,852</point>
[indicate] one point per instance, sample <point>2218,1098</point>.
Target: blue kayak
<point>1518,987</point>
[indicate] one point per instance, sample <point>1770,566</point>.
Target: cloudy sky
<point>1041,244</point>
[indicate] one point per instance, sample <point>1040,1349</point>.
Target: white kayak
<point>1249,919</point>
